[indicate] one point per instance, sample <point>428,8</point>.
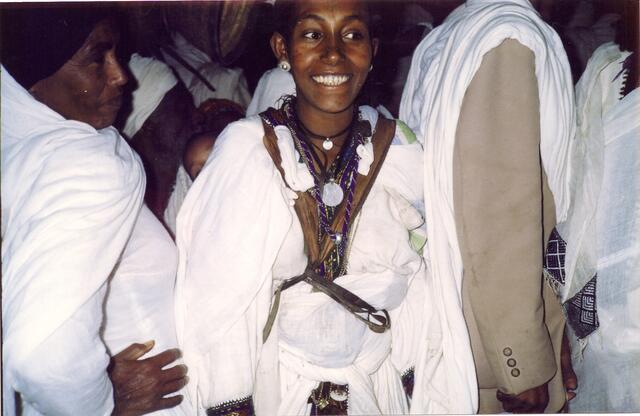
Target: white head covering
<point>155,79</point>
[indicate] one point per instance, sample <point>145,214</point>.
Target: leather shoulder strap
<point>305,205</point>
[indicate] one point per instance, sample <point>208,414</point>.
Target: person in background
<point>598,279</point>
<point>212,116</point>
<point>161,120</point>
<point>490,95</point>
<point>71,192</point>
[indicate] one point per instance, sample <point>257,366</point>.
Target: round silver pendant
<point>338,238</point>
<point>338,395</point>
<point>332,193</point>
<point>327,144</point>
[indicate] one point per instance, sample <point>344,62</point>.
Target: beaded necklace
<point>342,172</point>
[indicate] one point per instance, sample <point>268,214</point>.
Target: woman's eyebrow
<point>101,47</point>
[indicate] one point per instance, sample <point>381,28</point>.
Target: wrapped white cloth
<point>603,236</point>
<point>70,196</point>
<point>273,84</point>
<point>229,83</point>
<point>140,299</point>
<point>234,254</point>
<point>154,79</point>
<point>442,68</point>
<point>178,194</point>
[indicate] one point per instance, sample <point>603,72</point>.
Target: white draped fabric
<point>234,254</point>
<point>608,363</point>
<point>139,304</point>
<point>70,196</point>
<point>442,68</point>
<point>273,84</point>
<point>178,194</point>
<point>154,79</point>
<point>229,83</point>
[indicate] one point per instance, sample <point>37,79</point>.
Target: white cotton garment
<point>229,83</point>
<point>272,86</point>
<point>140,297</point>
<point>70,197</point>
<point>442,68</point>
<point>607,362</point>
<point>239,238</point>
<point>154,79</point>
<point>178,194</point>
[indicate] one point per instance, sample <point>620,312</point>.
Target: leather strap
<point>307,211</point>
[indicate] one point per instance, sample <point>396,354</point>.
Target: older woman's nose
<point>116,75</point>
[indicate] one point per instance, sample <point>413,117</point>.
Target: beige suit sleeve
<point>499,219</point>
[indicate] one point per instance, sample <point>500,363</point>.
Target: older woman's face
<point>330,51</point>
<point>88,87</point>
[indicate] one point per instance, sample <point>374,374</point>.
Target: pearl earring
<point>284,65</point>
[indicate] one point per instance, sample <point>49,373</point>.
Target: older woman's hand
<point>140,385</point>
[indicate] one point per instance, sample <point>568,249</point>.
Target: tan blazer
<point>504,214</point>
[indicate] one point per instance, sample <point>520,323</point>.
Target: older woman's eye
<point>312,35</point>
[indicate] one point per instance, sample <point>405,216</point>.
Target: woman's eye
<point>312,35</point>
<point>354,36</point>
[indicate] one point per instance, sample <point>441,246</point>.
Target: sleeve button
<point>507,351</point>
<point>511,362</point>
<point>515,372</point>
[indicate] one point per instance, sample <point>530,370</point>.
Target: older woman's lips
<point>331,80</point>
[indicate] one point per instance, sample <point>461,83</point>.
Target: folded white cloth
<point>229,83</point>
<point>70,196</point>
<point>155,79</point>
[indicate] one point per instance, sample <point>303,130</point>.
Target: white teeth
<point>331,80</point>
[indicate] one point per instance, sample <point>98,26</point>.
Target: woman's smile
<point>331,80</point>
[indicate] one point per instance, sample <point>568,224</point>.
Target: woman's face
<point>88,87</point>
<point>330,51</point>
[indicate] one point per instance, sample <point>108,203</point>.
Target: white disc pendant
<point>332,193</point>
<point>327,144</point>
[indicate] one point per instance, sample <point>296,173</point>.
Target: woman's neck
<point>326,125</point>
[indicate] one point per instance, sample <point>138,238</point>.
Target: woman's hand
<point>140,385</point>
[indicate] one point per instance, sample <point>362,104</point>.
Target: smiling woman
<point>301,287</point>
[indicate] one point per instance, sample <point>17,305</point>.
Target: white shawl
<point>597,91</point>
<point>238,237</point>
<point>442,68</point>
<point>70,196</point>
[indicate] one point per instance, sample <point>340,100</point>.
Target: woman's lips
<point>331,80</point>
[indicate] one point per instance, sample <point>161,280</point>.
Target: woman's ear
<point>279,47</point>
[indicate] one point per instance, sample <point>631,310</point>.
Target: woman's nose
<point>333,51</point>
<point>117,76</point>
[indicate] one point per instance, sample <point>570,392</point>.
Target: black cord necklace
<point>327,144</point>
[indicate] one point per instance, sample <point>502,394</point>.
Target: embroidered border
<point>581,310</point>
<point>238,407</point>
<point>408,380</point>
<point>554,258</point>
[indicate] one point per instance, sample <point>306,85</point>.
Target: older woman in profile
<point>71,193</point>
<point>301,286</point>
